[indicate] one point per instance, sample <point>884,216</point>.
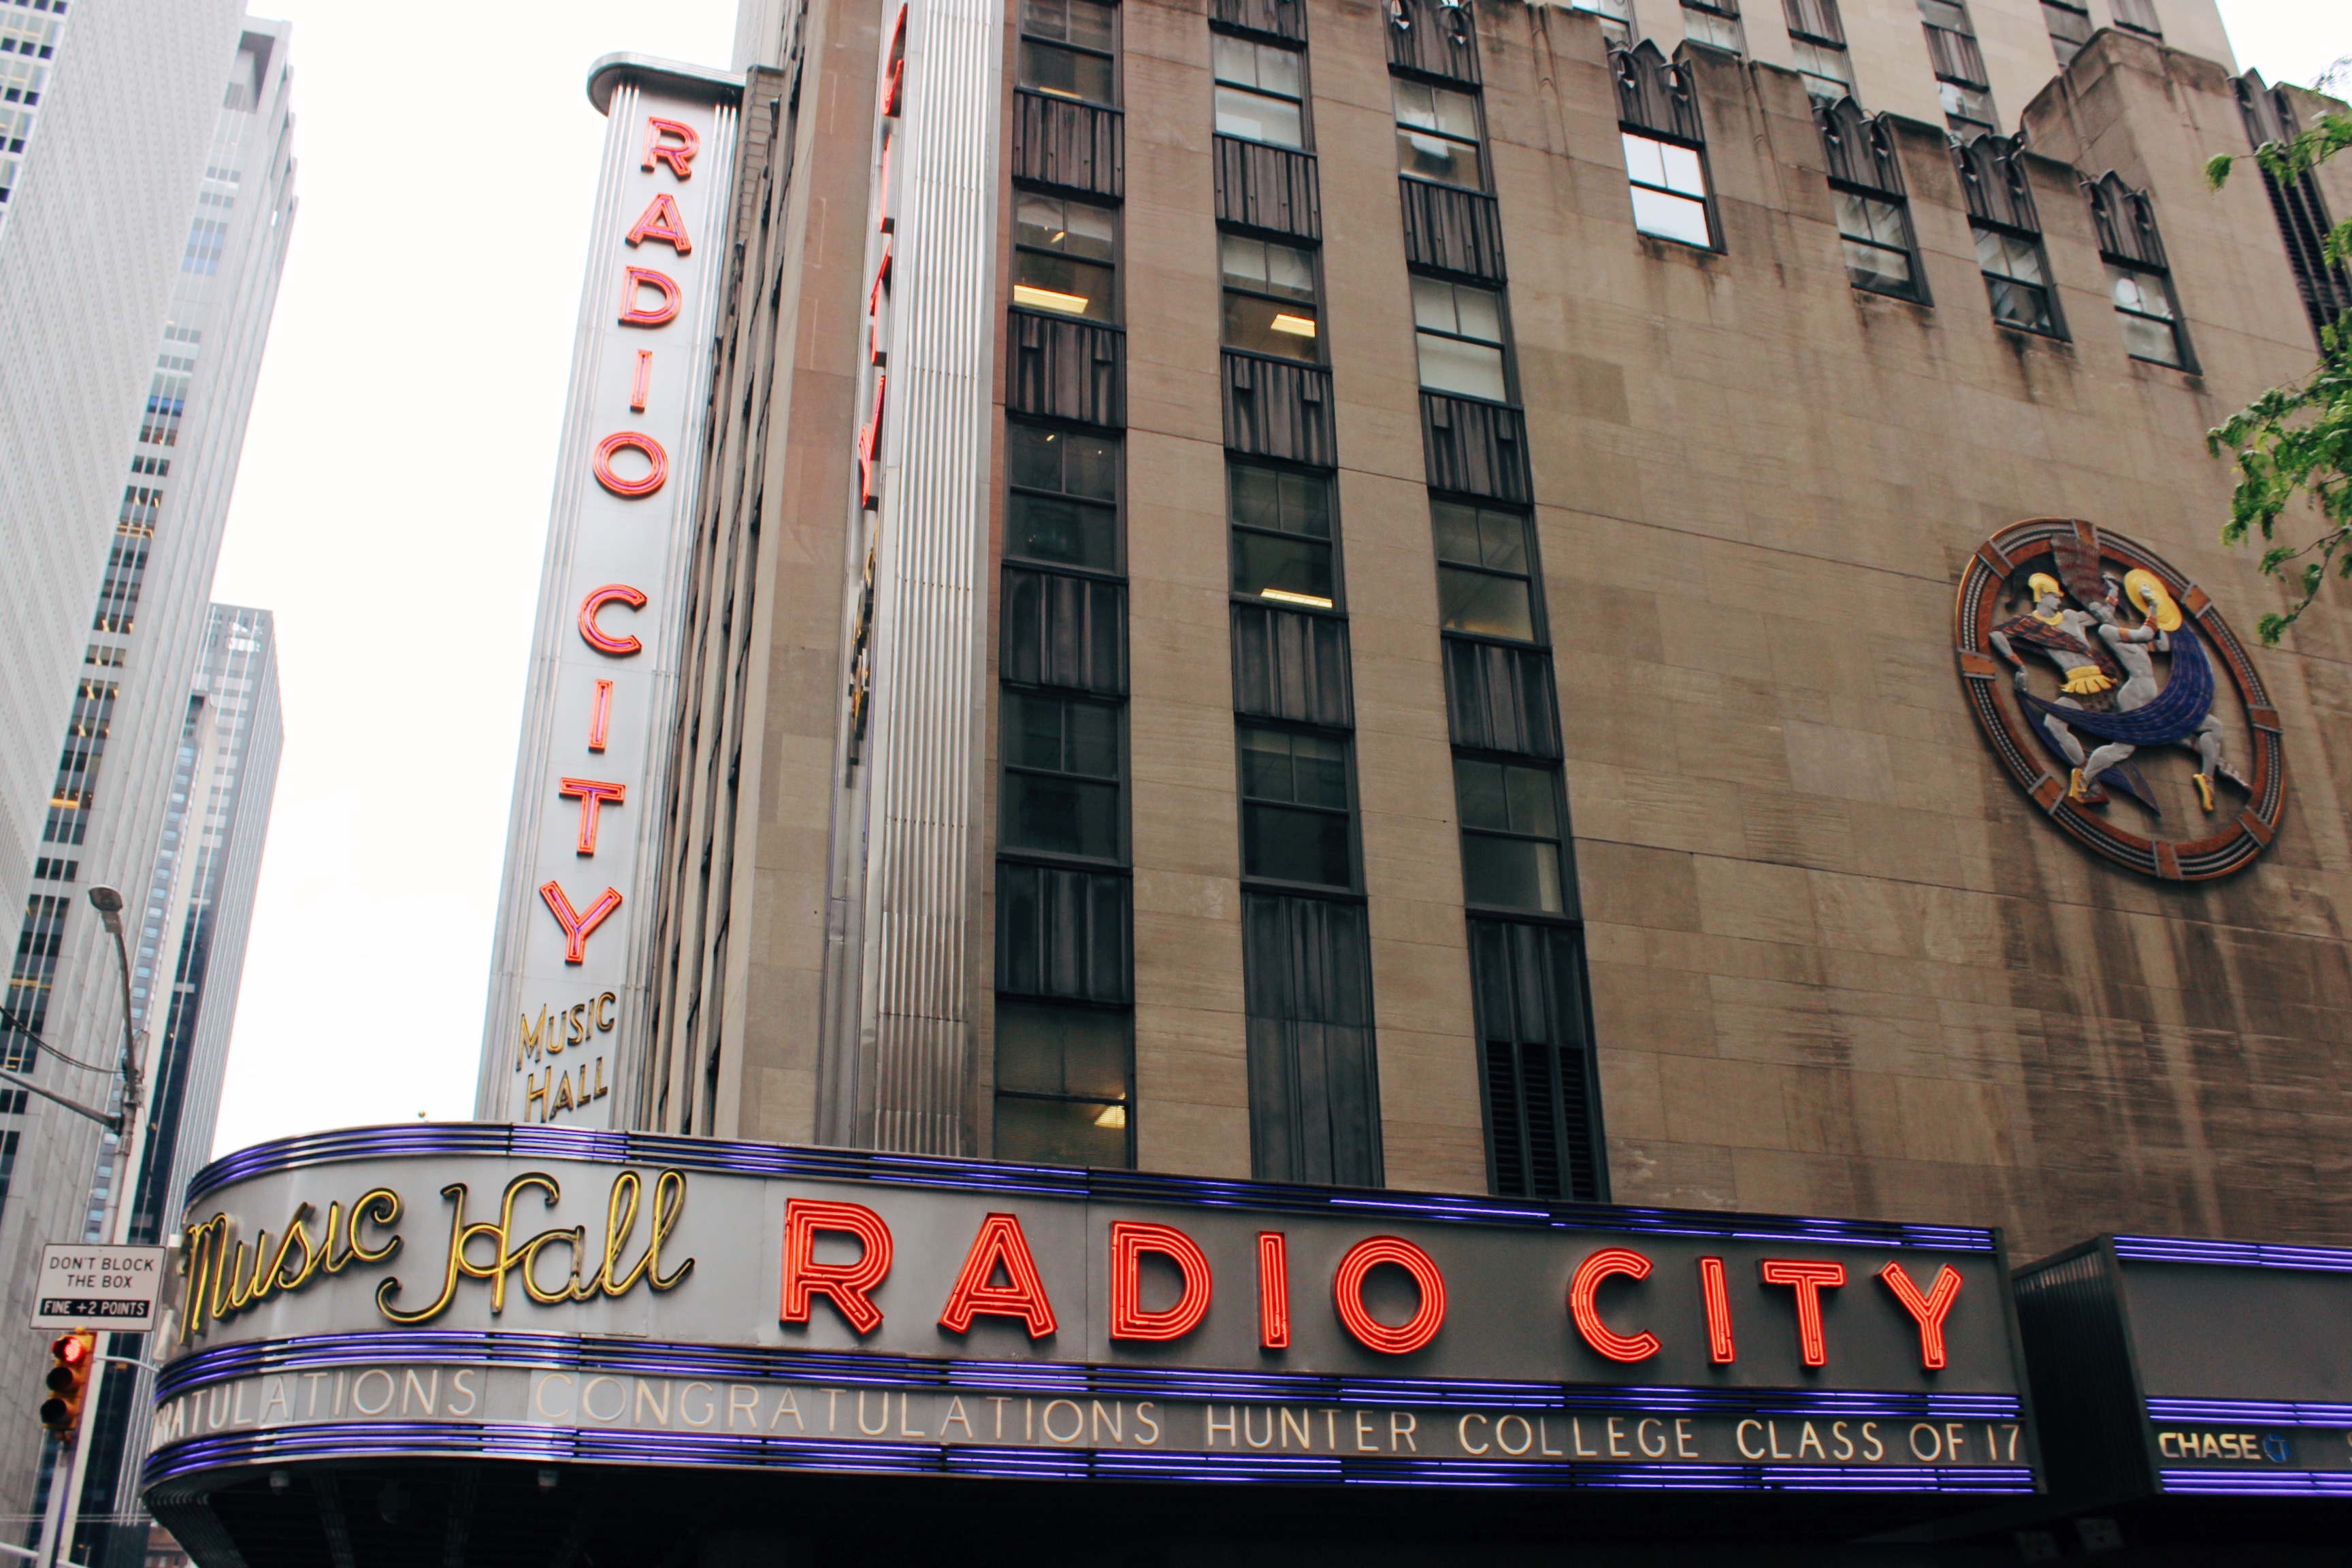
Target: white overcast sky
<point>393,497</point>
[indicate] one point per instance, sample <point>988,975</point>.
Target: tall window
<point>1715,22</point>
<point>2140,281</point>
<point>2069,22</point>
<point>1067,47</point>
<point>1876,236</point>
<point>1484,573</point>
<point>1616,18</point>
<point>1282,535</point>
<point>2143,300</point>
<point>1295,808</point>
<point>1063,1083</point>
<point>1669,183</point>
<point>1061,791</point>
<point>38,943</point>
<point>1064,256</point>
<point>1063,508</point>
<point>2138,16</point>
<point>1260,91</point>
<point>1510,836</point>
<point>1437,133</point>
<point>1458,329</point>
<point>1270,299</point>
<point>1817,38</point>
<point>2016,278</point>
<point>1960,78</point>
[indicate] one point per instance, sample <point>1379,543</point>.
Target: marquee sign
<point>568,986</point>
<point>2119,699</point>
<point>667,1301</point>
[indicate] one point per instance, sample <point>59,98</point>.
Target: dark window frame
<point>1304,100</point>
<point>1022,35</point>
<point>1353,890</point>
<point>1532,577</point>
<point>2162,277</point>
<point>1477,94</point>
<point>1510,398</point>
<point>2057,331</point>
<point>1714,240</point>
<point>1122,854</point>
<point>1117,238</point>
<point>1916,293</point>
<point>1555,771</point>
<point>1337,607</point>
<point>998,1092</point>
<point>1117,506</point>
<point>1225,285</point>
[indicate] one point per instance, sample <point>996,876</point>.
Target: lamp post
<point>128,1126</point>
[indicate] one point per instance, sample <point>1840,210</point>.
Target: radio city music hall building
<point>1330,782</point>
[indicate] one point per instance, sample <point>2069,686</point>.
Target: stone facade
<point>1838,964</point>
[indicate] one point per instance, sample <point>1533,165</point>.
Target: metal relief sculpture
<point>2090,663</point>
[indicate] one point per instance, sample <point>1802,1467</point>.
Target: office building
<point>145,740</point>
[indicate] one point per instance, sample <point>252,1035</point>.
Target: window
<point>1828,74</point>
<point>1281,536</point>
<point>38,943</point>
<point>2140,16</point>
<point>1064,503</point>
<point>1061,775</point>
<point>1510,836</point>
<point>1295,808</point>
<point>1063,256</point>
<point>1063,1084</point>
<point>1877,238</point>
<point>8,1153</point>
<point>1715,22</point>
<point>1669,190</point>
<point>2015,279</point>
<point>1961,79</point>
<point>1066,47</point>
<point>1258,91</point>
<point>2070,28</point>
<point>1270,299</point>
<point>1437,133</point>
<point>1483,572</point>
<point>1459,330</point>
<point>1967,110</point>
<point>1314,1080</point>
<point>1616,18</point>
<point>2144,304</point>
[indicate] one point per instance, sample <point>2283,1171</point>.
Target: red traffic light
<point>71,1358</point>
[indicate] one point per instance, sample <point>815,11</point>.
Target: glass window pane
<point>1061,1132</point>
<point>1670,216</point>
<point>1066,73</point>
<point>1062,284</point>
<point>1244,261</point>
<point>2019,304</point>
<point>1294,845</point>
<point>1267,497</point>
<point>1050,223</point>
<point>1266,764</point>
<point>1082,22</point>
<point>1644,161</point>
<point>1511,873</point>
<point>1044,529</point>
<point>1503,539</point>
<point>1282,328</point>
<point>1683,171</point>
<point>1059,460</point>
<point>1479,601</point>
<point>1262,66</point>
<point>1274,566</point>
<point>1033,731</point>
<point>1479,312</point>
<point>1876,267</point>
<point>1289,272</point>
<point>1045,1049</point>
<point>1433,305</point>
<point>1479,795</point>
<point>1472,369</point>
<point>1321,770</point>
<point>1277,764</point>
<point>1428,157</point>
<point>1061,815</point>
<point>1414,104</point>
<point>1535,807</point>
<point>1061,734</point>
<point>1255,117</point>
<point>1457,531</point>
<point>2138,292</point>
<point>2147,339</point>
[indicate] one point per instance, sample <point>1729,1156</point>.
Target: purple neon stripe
<point>2232,1254</point>
<point>2260,1483</point>
<point>402,1439</point>
<point>2265,1411</point>
<point>781,1161</point>
<point>211,1367</point>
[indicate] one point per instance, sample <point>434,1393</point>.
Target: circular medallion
<point>2104,681</point>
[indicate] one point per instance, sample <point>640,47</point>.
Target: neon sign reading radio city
<point>650,299</point>
<point>1000,1251</point>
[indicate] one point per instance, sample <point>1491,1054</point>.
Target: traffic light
<point>71,1356</point>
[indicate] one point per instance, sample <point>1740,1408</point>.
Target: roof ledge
<point>672,76</point>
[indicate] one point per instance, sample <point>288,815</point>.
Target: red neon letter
<point>661,222</point>
<point>1586,1284</point>
<point>1929,1309</point>
<point>844,1284</point>
<point>638,389</point>
<point>1808,1278</point>
<point>610,593</point>
<point>1273,1290</point>
<point>869,443</point>
<point>1000,1244</point>
<point>1716,1296</point>
<point>592,795</point>
<point>678,157</point>
<point>1129,1320</point>
<point>894,78</point>
<point>640,278</point>
<point>600,718</point>
<point>627,440</point>
<point>578,923</point>
<point>1348,1295</point>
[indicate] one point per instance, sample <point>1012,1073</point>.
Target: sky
<point>447,166</point>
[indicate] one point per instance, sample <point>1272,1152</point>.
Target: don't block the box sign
<point>659,1300</point>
